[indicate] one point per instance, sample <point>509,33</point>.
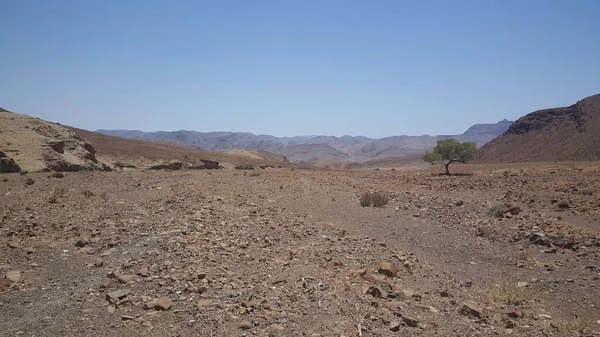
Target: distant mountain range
<point>315,149</point>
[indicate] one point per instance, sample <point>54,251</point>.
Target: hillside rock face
<point>8,165</point>
<point>559,134</point>
<point>37,145</point>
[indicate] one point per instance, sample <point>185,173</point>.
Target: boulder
<point>473,309</point>
<point>210,164</point>
<point>8,165</point>
<point>388,269</point>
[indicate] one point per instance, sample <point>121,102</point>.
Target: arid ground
<point>509,250</point>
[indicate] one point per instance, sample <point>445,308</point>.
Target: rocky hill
<point>31,144</point>
<point>143,153</point>
<point>333,149</point>
<point>558,134</point>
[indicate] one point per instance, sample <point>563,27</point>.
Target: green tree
<point>451,151</point>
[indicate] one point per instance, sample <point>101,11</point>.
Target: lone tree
<point>451,151</point>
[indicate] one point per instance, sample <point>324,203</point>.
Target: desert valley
<point>116,233</point>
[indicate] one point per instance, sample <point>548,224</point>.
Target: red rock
<point>127,278</point>
<point>163,303</point>
<point>374,278</point>
<point>471,308</point>
<point>245,325</point>
<point>388,269</point>
<point>204,303</point>
<point>13,275</point>
<point>144,270</point>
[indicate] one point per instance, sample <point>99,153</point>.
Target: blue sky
<point>373,68</point>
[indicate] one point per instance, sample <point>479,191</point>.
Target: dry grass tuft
<point>59,192</point>
<point>87,193</point>
<point>497,210</point>
<point>509,294</point>
<point>375,199</point>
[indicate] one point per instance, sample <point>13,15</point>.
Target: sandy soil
<point>281,252</point>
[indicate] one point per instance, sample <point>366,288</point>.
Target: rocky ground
<point>508,250</point>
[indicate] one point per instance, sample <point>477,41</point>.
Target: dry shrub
<point>59,192</point>
<point>497,210</point>
<point>563,204</point>
<point>375,199</point>
<point>509,294</point>
<point>87,193</point>
<point>245,167</point>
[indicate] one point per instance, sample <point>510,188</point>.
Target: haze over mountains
<point>315,149</point>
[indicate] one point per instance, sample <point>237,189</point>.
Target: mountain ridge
<point>558,134</point>
<point>333,149</point>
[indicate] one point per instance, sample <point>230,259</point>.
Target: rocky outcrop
<point>39,145</point>
<point>210,164</point>
<point>175,166</point>
<point>559,134</point>
<point>8,165</point>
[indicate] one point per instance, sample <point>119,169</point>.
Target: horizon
<point>300,136</point>
<point>329,68</point>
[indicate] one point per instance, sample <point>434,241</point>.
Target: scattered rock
<point>14,276</point>
<point>117,295</point>
<point>395,326</point>
<point>513,210</point>
<point>388,269</point>
<point>245,325</point>
<point>410,321</point>
<point>204,303</point>
<point>83,241</point>
<point>163,303</point>
<point>14,244</point>
<point>473,309</point>
<point>126,278</point>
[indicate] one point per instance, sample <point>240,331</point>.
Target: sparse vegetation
<point>87,193</point>
<point>58,192</point>
<point>254,174</point>
<point>393,169</point>
<point>24,172</point>
<point>104,196</point>
<point>377,169</point>
<point>497,210</point>
<point>4,180</point>
<point>375,199</point>
<point>509,294</point>
<point>120,165</point>
<point>451,151</point>
<point>563,204</point>
<point>58,175</point>
<point>29,182</point>
<point>245,167</point>
<point>586,192</point>
<point>577,325</point>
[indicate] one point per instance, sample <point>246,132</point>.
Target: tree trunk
<point>448,171</point>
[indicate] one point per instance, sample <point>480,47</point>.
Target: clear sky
<point>297,67</point>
